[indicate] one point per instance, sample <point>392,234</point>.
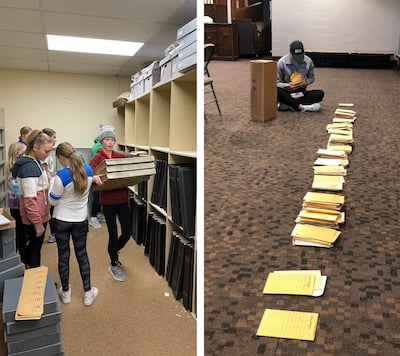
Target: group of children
<point>38,195</point>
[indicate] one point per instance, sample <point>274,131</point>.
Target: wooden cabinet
<point>216,9</point>
<point>225,38</point>
<point>163,123</point>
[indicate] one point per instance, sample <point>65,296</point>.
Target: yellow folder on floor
<point>322,215</point>
<point>345,113</point>
<point>346,148</point>
<point>296,282</point>
<point>288,324</point>
<point>330,170</point>
<point>340,125</point>
<point>290,283</point>
<point>323,182</point>
<point>311,235</point>
<point>339,119</point>
<point>329,198</point>
<point>335,138</point>
<point>325,153</point>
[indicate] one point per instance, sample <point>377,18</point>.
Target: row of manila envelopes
<point>316,225</point>
<point>318,222</point>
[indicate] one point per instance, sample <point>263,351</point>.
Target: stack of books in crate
<point>123,172</point>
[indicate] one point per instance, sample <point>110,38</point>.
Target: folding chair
<point>209,49</point>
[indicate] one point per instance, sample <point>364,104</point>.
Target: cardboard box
<point>187,51</point>
<point>188,39</point>
<point>9,262</point>
<point>166,69</point>
<point>188,63</point>
<point>186,29</point>
<point>152,79</point>
<point>123,172</point>
<point>263,90</point>
<point>137,87</point>
<point>51,308</point>
<point>174,67</point>
<point>14,272</point>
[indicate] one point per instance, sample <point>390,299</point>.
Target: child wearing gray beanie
<point>107,131</point>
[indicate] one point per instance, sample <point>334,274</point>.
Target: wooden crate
<point>123,172</point>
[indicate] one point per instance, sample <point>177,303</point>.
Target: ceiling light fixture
<point>92,45</point>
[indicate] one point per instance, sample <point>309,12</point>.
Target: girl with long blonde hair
<point>69,196</point>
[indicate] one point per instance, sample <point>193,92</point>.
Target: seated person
<point>295,72</point>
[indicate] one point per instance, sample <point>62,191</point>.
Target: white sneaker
<point>313,107</point>
<point>90,296</point>
<point>94,223</point>
<point>100,217</point>
<point>65,295</point>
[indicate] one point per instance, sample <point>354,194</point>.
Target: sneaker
<point>284,107</point>
<point>100,217</point>
<point>52,238</point>
<point>313,107</point>
<point>116,272</point>
<point>90,296</point>
<point>94,223</point>
<point>65,295</point>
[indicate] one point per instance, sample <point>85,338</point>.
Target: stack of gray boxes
<point>10,261</point>
<point>32,337</point>
<point>187,38</point>
<point>180,57</point>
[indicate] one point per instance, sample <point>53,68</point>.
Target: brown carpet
<point>256,174</point>
<point>137,317</point>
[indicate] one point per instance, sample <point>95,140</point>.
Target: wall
<point>74,105</point>
<point>336,25</point>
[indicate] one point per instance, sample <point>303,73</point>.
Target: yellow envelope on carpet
<point>288,324</point>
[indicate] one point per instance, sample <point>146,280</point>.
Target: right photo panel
<point>301,191</point>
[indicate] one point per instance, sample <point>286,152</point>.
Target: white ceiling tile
<point>21,4</point>
<point>87,58</point>
<point>167,35</point>
<point>151,10</point>
<point>22,40</point>
<point>95,27</point>
<point>82,68</point>
<point>24,24</point>
<point>23,64</point>
<point>24,53</point>
<point>20,20</point>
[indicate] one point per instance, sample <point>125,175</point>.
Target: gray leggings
<point>78,231</point>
